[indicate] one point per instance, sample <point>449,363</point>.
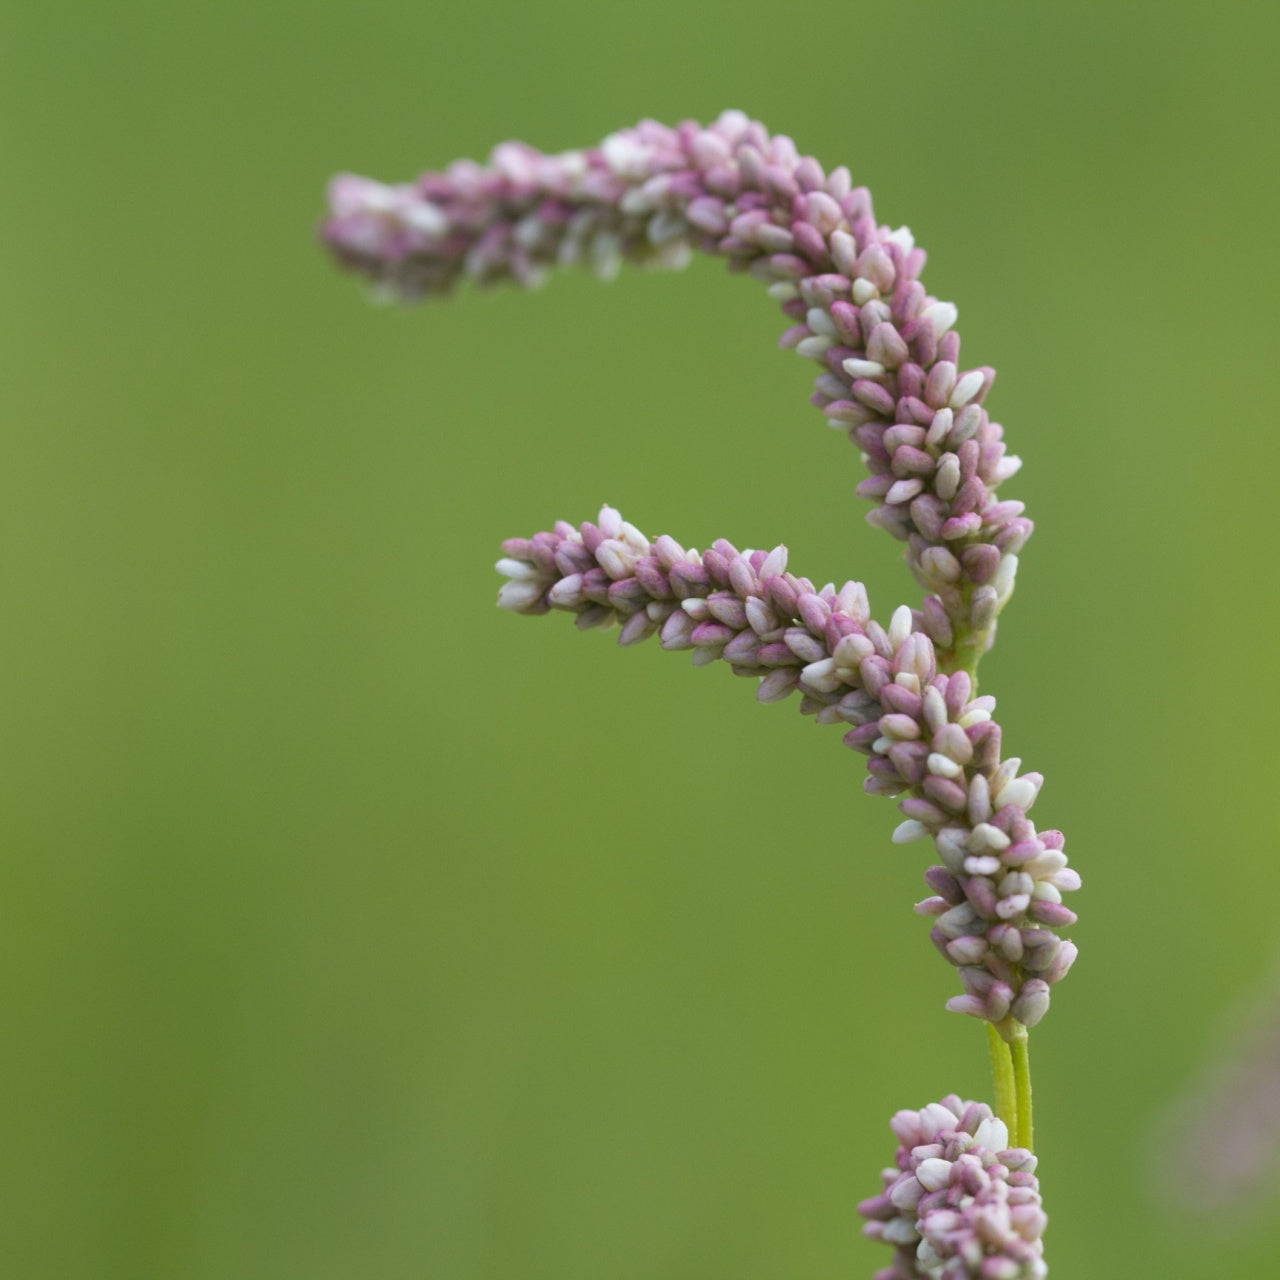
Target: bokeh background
<point>353,929</point>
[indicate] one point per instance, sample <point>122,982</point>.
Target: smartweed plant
<point>962,1198</point>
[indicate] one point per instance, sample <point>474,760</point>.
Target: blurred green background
<point>354,929</point>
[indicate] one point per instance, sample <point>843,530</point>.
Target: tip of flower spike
<point>512,568</point>
<point>519,594</point>
<point>372,218</point>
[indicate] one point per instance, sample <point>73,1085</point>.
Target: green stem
<point>1022,1085</point>
<point>968,654</point>
<point>968,645</point>
<point>1002,1074</point>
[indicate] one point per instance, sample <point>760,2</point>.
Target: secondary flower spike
<point>887,352</point>
<point>998,895</point>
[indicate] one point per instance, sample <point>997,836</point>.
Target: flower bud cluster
<point>997,897</point>
<point>887,352</point>
<point>960,1204</point>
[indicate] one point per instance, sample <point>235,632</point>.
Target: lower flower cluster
<point>997,895</point>
<point>959,1203</point>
